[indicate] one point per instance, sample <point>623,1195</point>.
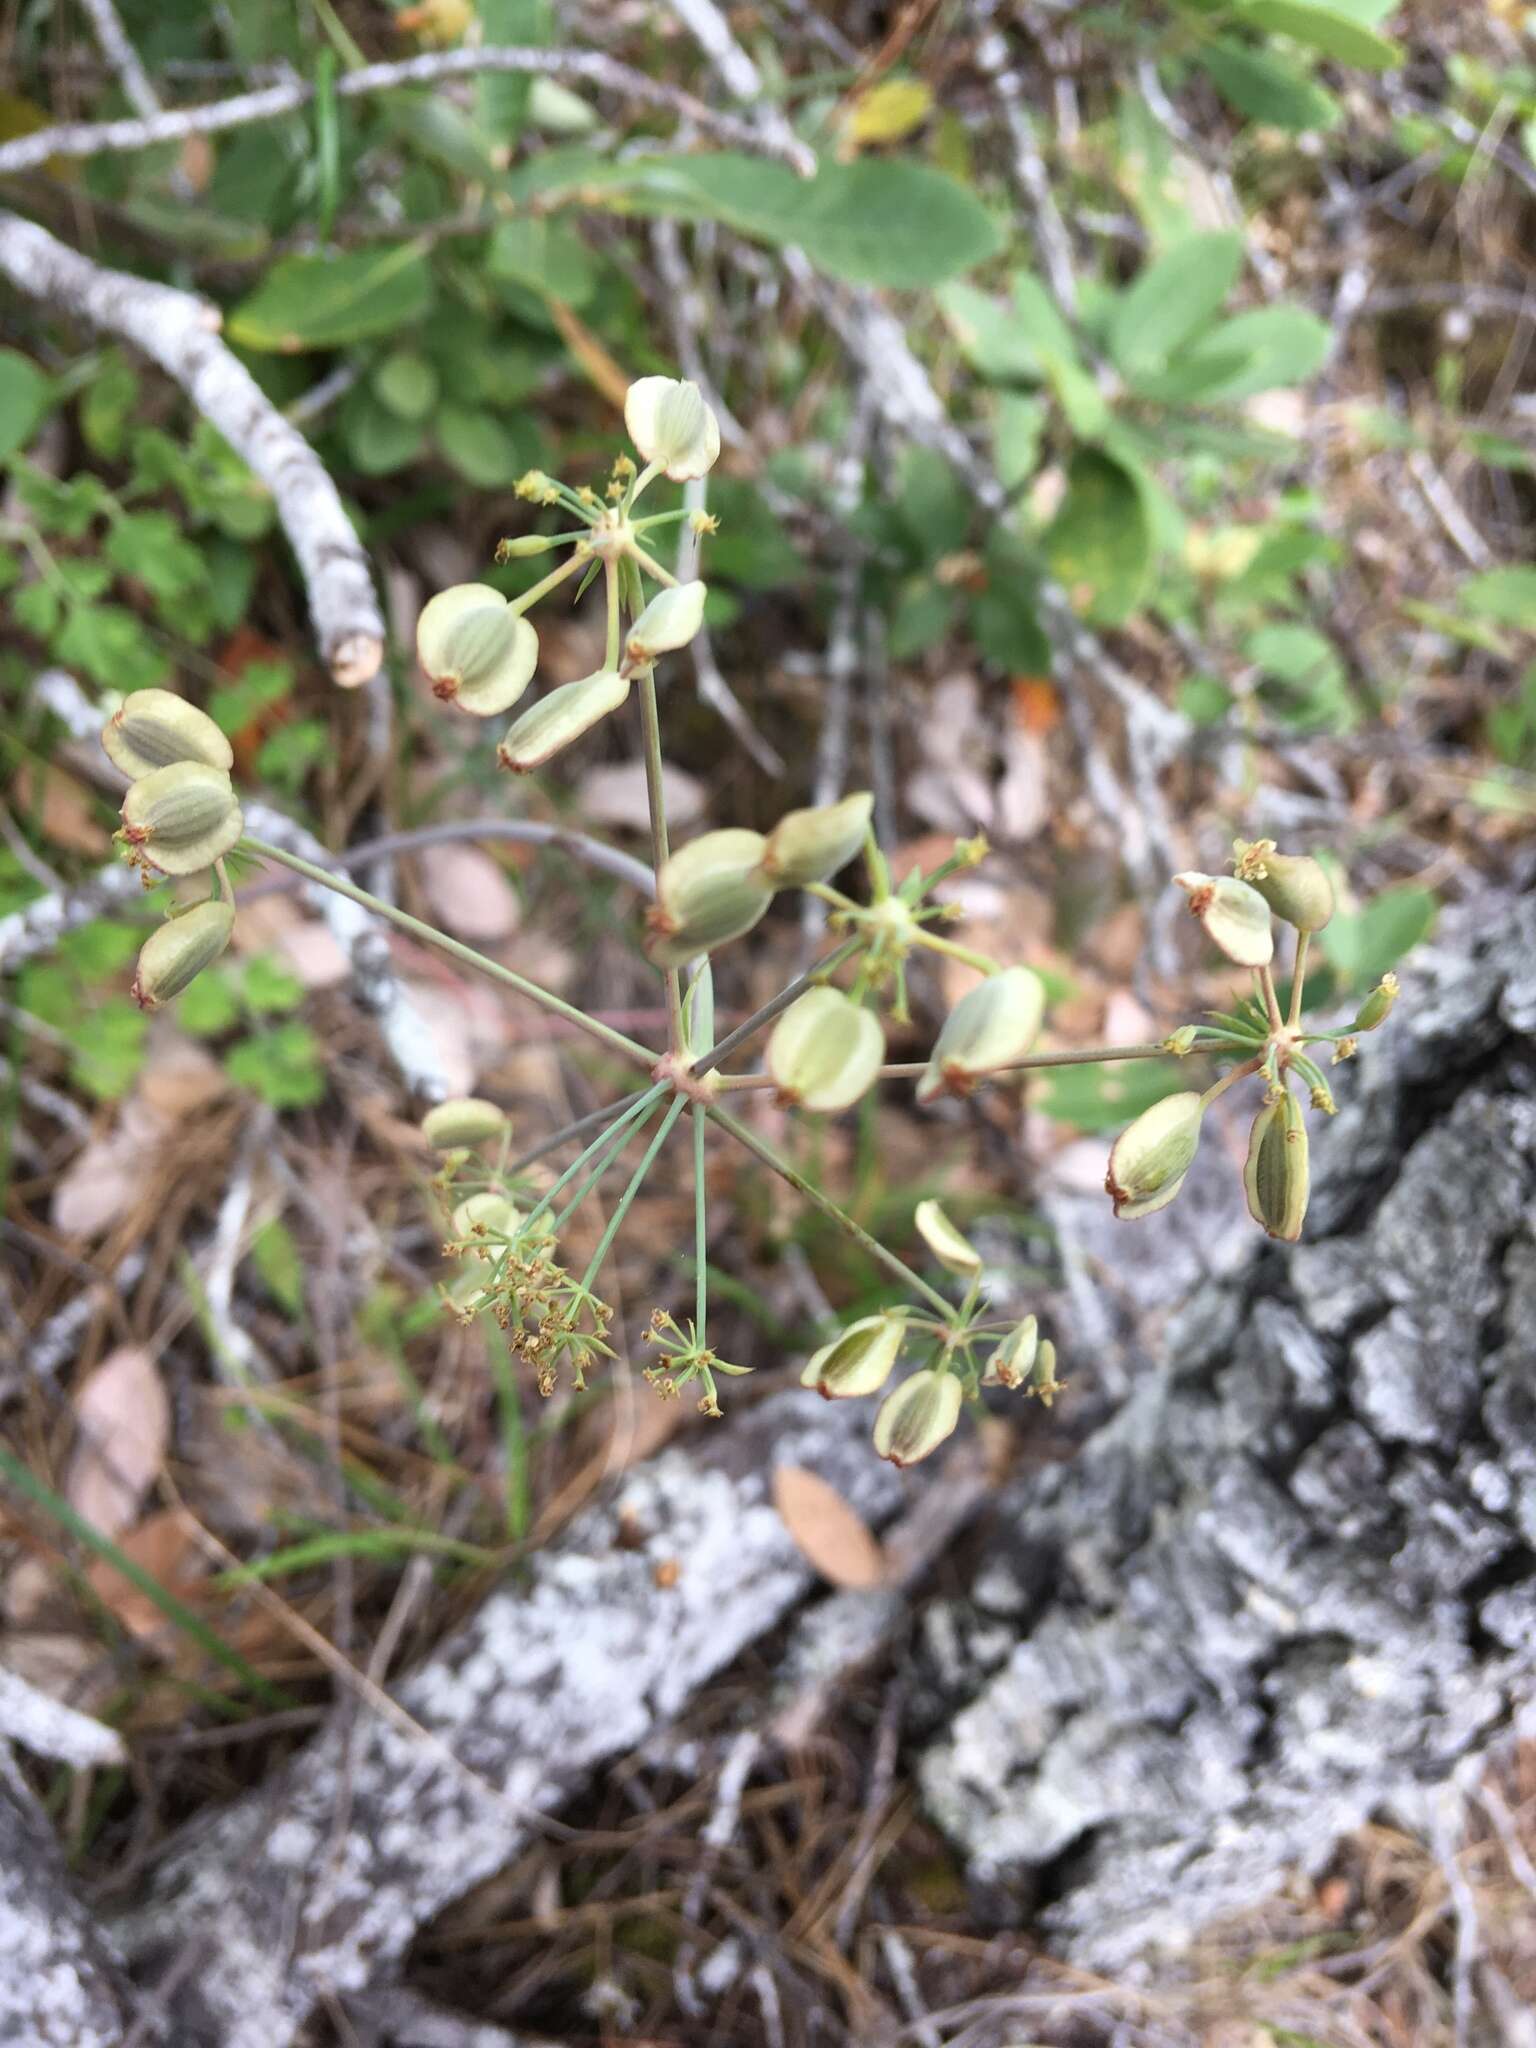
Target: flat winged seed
<point>475,650</point>
<point>465,1120</point>
<point>918,1417</point>
<point>1014,1358</point>
<point>1149,1159</point>
<point>710,891</point>
<point>825,1051</point>
<point>858,1360</point>
<point>948,1245</point>
<point>1377,1007</point>
<point>992,1026</point>
<point>182,818</point>
<point>668,622</point>
<point>1276,1178</point>
<point>487,1215</point>
<point>1294,885</point>
<point>1235,916</point>
<point>152,728</point>
<point>812,845</point>
<point>174,955</point>
<point>671,425</point>
<point>561,717</point>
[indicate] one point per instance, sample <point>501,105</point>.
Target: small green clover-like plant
<point>504,1219</point>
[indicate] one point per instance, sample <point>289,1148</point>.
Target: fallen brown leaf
<point>829,1534</point>
<point>123,1418</point>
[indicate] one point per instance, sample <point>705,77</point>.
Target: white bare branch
<point>122,56</point>
<point>180,333</point>
<point>575,67</point>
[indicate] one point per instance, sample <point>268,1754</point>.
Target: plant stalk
<point>616,1041</point>
<point>761,1149</point>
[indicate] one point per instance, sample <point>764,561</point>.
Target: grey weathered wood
<point>320,1880</point>
<point>1294,1579</point>
<point>61,1986</point>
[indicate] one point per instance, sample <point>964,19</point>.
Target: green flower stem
<point>642,481</point>
<point>653,569</point>
<point>908,1070</point>
<point>761,1149</point>
<point>611,582</point>
<point>1271,1000</point>
<point>601,1167</point>
<point>1298,978</point>
<point>1227,1080</point>
<point>656,801</point>
<point>608,1141</point>
<point>606,1117</point>
<point>935,944</point>
<point>821,972</point>
<point>700,1230</point>
<point>629,1048</point>
<point>637,1181</point>
<point>542,588</point>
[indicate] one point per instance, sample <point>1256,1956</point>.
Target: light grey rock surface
<point>61,1985</point>
<point>1293,1579</point>
<point>318,1882</point>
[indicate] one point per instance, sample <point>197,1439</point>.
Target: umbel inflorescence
<point>505,1214</point>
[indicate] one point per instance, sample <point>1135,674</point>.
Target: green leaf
<point>234,706</point>
<point>989,335</point>
<point>502,97</point>
<point>879,221</point>
<point>544,256</point>
<point>111,645</point>
<point>931,502</point>
<point>101,947</point>
<point>105,407</point>
<point>751,548</point>
<point>24,394</point>
<point>268,990</point>
<point>1041,324</point>
<point>107,1048</point>
<point>1099,545</point>
<point>1016,438</point>
<point>884,221</point>
<point>1103,1098</point>
<point>481,446</point>
<point>379,441</point>
<point>287,757</point>
<point>1204,699</point>
<point>1273,345</point>
<point>210,1006</point>
<point>36,609</point>
<point>1266,89</point>
<point>1004,620</point>
<point>441,132</point>
<point>1172,300</point>
<point>152,549</point>
<point>1507,596</point>
<point>406,384</point>
<point>1361,945</point>
<point>283,1067</point>
<point>1327,30</point>
<point>309,302</point>
<point>1309,671</point>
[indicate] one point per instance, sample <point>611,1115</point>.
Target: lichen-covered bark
<point>320,1880</point>
<point>1294,1579</point>
<point>60,1984</point>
